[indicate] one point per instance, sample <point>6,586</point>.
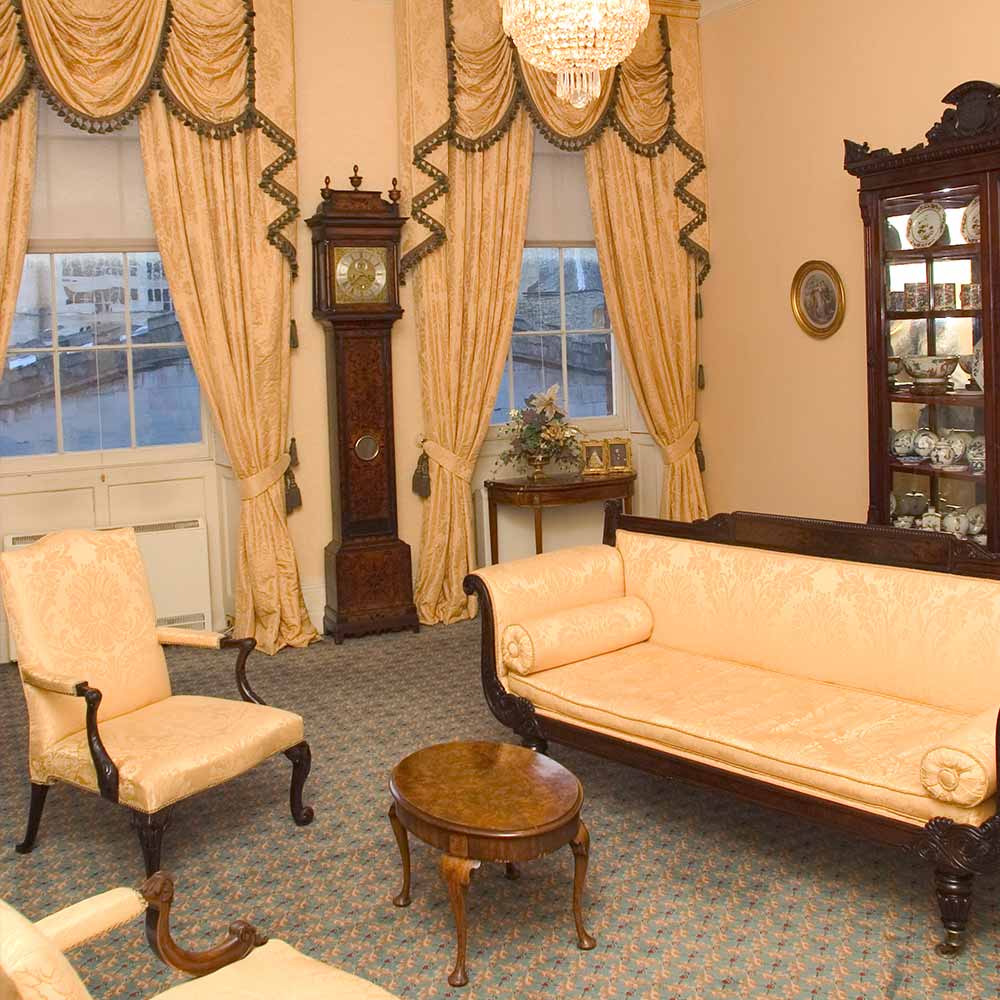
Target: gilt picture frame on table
<point>619,454</point>
<point>818,298</point>
<point>595,458</point>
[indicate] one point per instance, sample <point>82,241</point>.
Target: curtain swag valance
<point>482,84</point>
<point>97,63</point>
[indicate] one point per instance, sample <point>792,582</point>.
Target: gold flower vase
<point>537,467</point>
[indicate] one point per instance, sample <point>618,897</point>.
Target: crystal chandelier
<point>575,39</point>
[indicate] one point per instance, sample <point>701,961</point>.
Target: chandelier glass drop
<point>575,39</point>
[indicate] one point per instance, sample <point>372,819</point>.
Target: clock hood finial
<point>356,179</point>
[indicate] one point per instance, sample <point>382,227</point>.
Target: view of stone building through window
<point>562,334</point>
<point>96,358</point>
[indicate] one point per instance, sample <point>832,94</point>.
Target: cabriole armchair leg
<point>150,827</point>
<point>301,758</point>
<point>37,804</point>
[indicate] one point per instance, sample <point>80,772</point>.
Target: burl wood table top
<point>489,789</point>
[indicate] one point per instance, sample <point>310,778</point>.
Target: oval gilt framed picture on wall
<point>818,298</point>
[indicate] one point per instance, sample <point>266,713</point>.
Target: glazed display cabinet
<point>931,215</point>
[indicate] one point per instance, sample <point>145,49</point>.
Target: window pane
<point>501,408</point>
<point>585,305</point>
<point>94,393</point>
<point>153,318</point>
<point>538,296</point>
<point>167,398</point>
<point>27,406</point>
<point>90,299</point>
<point>32,325</point>
<point>591,381</point>
<point>537,365</point>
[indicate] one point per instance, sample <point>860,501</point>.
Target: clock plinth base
<point>369,586</point>
<point>339,631</point>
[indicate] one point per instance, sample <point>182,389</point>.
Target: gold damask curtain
<point>211,81</point>
<point>463,88</point>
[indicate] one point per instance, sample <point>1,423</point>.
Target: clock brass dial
<point>361,275</point>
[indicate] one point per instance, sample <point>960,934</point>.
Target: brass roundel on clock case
<point>366,448</point>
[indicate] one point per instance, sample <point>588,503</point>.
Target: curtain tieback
<point>261,481</point>
<point>676,451</point>
<point>448,460</point>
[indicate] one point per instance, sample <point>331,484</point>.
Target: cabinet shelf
<point>960,250</point>
<point>926,469</point>
<point>933,314</point>
<point>959,397</point>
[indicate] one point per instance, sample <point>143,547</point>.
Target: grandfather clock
<point>355,236</point>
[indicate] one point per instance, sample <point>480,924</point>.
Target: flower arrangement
<point>540,434</point>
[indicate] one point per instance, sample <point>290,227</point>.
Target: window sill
<point>81,461</point>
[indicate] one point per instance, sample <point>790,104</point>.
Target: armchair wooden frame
<point>150,826</point>
<point>958,851</point>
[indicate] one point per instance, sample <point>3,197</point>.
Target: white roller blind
<point>90,191</point>
<point>558,207</point>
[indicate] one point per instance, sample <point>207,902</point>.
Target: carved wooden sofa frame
<point>150,826</point>
<point>958,851</point>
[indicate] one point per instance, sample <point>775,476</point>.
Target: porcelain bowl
<point>965,362</point>
<point>896,365</point>
<point>930,367</point>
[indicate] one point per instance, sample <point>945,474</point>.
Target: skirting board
<point>315,597</point>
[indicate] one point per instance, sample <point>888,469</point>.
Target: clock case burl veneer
<point>959,160</point>
<point>369,584</point>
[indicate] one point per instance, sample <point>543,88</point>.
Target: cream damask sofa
<point>245,966</point>
<point>846,673</point>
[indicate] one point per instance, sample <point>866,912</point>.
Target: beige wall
<point>784,420</point>
<point>345,67</point>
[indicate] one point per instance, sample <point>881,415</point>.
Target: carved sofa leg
<point>301,757</point>
<point>954,896</point>
<point>150,827</point>
<point>38,793</point>
<point>959,852</point>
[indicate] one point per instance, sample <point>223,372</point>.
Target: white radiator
<point>176,558</point>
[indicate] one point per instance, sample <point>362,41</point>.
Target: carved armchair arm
<point>158,892</point>
<point>167,636</point>
<point>57,685</point>
<point>216,640</point>
<point>107,772</point>
<point>76,924</point>
<point>245,647</point>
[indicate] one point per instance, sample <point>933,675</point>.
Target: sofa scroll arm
<point>514,712</point>
<point>245,647</point>
<point>158,892</point>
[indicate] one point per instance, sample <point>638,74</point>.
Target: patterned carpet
<point>692,895</point>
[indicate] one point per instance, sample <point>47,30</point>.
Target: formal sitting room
<point>499,499</point>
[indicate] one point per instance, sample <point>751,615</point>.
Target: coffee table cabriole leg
<point>403,899</point>
<point>580,845</point>
<point>457,873</point>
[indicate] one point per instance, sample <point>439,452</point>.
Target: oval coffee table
<point>479,801</point>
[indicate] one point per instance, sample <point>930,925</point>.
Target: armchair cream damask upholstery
<point>246,966</point>
<point>100,708</point>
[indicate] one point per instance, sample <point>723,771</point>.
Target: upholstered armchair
<point>101,714</point>
<point>245,966</point>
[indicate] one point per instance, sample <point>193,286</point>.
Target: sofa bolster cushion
<point>562,637</point>
<point>963,769</point>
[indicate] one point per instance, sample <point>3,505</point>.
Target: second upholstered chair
<point>245,966</point>
<point>100,709</point>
